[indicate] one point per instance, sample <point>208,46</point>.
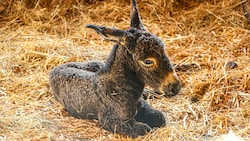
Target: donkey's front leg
<point>148,115</point>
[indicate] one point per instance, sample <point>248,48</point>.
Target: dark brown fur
<point>111,92</point>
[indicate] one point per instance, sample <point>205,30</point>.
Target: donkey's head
<point>147,53</point>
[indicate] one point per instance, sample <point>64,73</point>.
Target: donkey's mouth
<point>170,85</point>
<point>169,90</point>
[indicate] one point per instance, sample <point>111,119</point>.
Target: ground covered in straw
<point>208,40</point>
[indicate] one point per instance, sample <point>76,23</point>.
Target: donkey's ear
<point>135,19</point>
<point>112,34</point>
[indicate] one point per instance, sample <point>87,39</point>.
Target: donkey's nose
<point>171,84</point>
<point>172,89</point>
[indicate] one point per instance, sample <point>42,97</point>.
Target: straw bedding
<point>207,40</point>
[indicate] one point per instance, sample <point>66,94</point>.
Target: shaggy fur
<point>111,92</point>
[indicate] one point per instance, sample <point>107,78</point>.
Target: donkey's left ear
<point>111,34</point>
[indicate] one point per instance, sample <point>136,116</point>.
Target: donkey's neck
<point>121,67</point>
<point>119,61</point>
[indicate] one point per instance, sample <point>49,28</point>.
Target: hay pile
<point>35,36</point>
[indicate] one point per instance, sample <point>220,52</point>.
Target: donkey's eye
<point>148,62</point>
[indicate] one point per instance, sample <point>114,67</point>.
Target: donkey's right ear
<point>112,34</point>
<point>135,18</point>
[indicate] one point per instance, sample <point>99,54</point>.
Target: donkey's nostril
<point>177,87</point>
<point>172,89</point>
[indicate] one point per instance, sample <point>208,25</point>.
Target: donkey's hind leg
<point>148,115</point>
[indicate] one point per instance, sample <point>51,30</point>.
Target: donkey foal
<point>111,92</point>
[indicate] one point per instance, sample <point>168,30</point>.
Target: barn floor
<point>208,40</point>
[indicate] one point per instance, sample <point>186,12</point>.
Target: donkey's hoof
<point>156,119</point>
<point>150,116</point>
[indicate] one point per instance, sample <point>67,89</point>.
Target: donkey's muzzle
<point>170,85</point>
<point>172,89</point>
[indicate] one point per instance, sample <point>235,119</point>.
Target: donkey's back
<point>73,86</point>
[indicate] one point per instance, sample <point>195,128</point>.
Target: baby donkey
<point>111,92</point>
